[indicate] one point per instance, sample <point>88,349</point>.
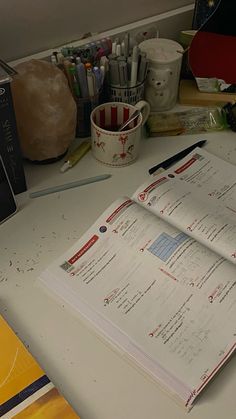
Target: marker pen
<point>66,65</point>
<point>103,72</point>
<point>123,50</point>
<point>126,47</point>
<point>93,48</point>
<point>75,156</point>
<point>64,51</point>
<point>129,64</point>
<point>82,78</point>
<point>142,71</point>
<point>109,45</point>
<point>134,66</point>
<point>100,52</point>
<point>91,82</point>
<point>53,59</point>
<point>113,49</point>
<point>98,78</point>
<point>114,73</point>
<point>118,50</point>
<point>88,65</point>
<point>123,73</point>
<point>104,62</point>
<point>60,58</point>
<point>75,84</point>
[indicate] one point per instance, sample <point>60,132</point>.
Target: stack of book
<point>9,143</point>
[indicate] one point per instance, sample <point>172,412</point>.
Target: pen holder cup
<point>84,109</point>
<point>130,95</point>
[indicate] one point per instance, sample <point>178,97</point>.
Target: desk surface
<point>96,380</point>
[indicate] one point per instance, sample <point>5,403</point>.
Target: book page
<point>132,277</point>
<point>198,196</point>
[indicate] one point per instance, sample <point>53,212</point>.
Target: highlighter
<point>75,156</point>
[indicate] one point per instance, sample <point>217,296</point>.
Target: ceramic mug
<point>113,147</point>
<point>162,82</point>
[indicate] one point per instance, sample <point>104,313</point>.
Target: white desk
<point>93,377</point>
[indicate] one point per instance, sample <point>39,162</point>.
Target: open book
<point>156,274</point>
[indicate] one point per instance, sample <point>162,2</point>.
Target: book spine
<point>9,143</point>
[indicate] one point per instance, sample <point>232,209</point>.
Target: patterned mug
<point>111,146</point>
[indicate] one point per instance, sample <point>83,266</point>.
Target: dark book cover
<point>9,143</point>
<point>202,11</point>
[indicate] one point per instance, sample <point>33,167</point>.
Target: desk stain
<point>41,246</point>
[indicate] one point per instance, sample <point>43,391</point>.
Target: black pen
<point>167,163</point>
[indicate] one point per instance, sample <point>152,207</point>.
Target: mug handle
<point>145,108</point>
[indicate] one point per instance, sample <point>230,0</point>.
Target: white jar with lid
<point>162,84</point>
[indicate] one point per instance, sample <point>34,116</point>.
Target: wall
<point>28,27</point>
